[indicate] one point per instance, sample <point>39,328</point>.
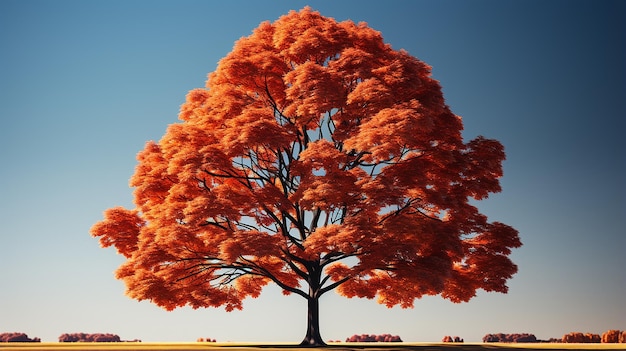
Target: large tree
<point>317,158</point>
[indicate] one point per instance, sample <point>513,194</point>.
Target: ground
<point>191,346</point>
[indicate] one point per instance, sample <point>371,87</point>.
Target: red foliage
<point>374,338</point>
<point>592,338</point>
<point>17,337</point>
<point>578,337</point>
<point>448,338</point>
<point>574,337</point>
<point>612,336</point>
<point>84,337</point>
<point>501,337</point>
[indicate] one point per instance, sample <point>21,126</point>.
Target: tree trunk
<point>313,336</point>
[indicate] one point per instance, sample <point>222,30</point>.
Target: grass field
<point>191,346</point>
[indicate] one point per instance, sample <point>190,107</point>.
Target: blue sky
<point>84,84</point>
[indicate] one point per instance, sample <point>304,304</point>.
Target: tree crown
<point>317,158</point>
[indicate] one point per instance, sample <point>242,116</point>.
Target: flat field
<point>194,346</point>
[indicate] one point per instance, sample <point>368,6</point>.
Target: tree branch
<point>266,273</point>
<point>333,285</point>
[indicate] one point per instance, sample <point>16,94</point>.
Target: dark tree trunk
<point>313,336</point>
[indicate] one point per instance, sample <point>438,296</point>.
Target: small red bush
<point>84,337</point>
<point>611,336</point>
<point>573,338</point>
<point>17,337</point>
<point>501,337</point>
<point>374,338</point>
<point>205,340</point>
<point>592,338</point>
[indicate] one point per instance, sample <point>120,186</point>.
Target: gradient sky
<point>84,84</point>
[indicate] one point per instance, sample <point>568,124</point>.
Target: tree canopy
<point>317,158</point>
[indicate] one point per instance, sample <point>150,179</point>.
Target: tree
<point>317,158</point>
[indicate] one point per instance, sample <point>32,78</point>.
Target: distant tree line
<point>610,336</point>
<point>206,340</point>
<point>374,338</point>
<point>576,337</point>
<point>502,337</point>
<point>68,337</point>
<point>614,336</point>
<point>84,337</point>
<point>17,337</point>
<point>95,337</point>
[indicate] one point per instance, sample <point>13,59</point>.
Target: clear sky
<point>84,84</point>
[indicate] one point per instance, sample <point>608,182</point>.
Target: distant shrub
<point>451,339</point>
<point>374,338</point>
<point>592,338</point>
<point>552,340</point>
<point>524,338</point>
<point>106,338</point>
<point>501,337</point>
<point>68,337</point>
<point>205,340</point>
<point>17,337</point>
<point>608,337</point>
<point>612,336</point>
<point>84,337</point>
<point>573,337</point>
<point>491,338</point>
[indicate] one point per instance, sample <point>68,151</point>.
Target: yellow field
<point>190,346</point>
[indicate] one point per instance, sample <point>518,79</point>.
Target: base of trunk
<point>312,342</point>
